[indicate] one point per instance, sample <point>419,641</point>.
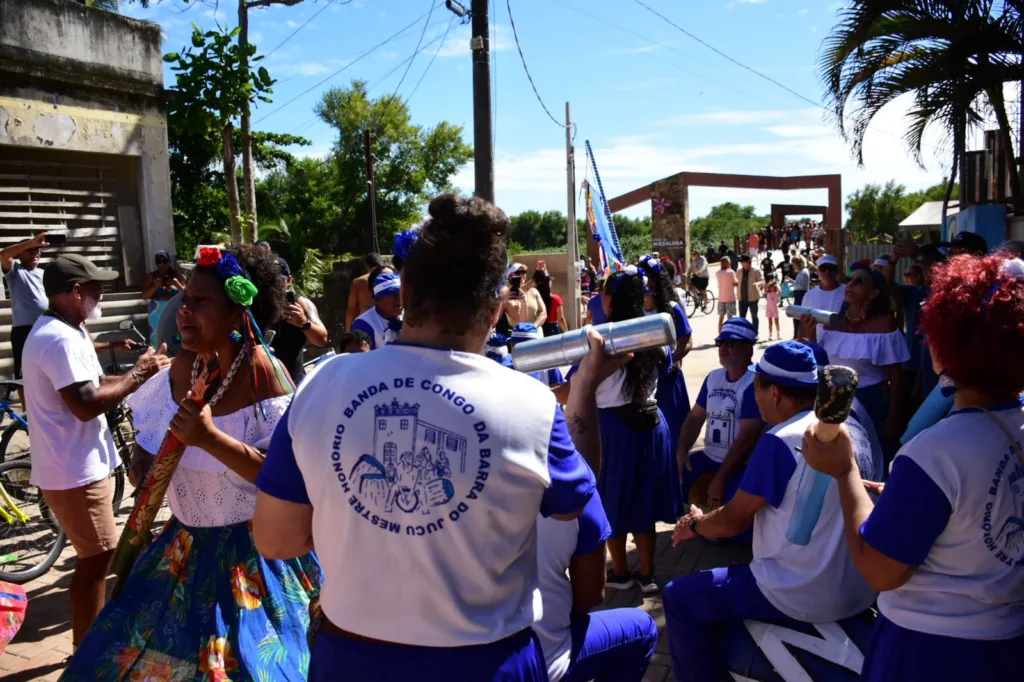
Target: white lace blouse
<point>203,492</point>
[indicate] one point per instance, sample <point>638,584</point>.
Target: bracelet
<point>137,378</point>
<point>693,524</point>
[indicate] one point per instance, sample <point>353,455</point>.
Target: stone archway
<point>670,206</point>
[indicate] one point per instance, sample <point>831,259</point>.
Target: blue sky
<point>651,100</point>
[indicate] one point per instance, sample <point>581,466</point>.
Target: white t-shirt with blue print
<point>816,582</point>
<point>727,403</point>
<point>557,543</point>
<point>425,490</point>
<point>953,508</point>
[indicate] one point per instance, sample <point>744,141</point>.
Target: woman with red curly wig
<point>945,542</point>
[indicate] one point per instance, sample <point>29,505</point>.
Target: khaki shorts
<point>87,516</point>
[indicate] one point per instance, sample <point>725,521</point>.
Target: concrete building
<point>83,142</point>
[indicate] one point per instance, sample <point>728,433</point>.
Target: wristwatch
<point>693,524</point>
<point>306,326</point>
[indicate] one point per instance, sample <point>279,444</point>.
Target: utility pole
<point>573,276</point>
<point>367,146</point>
<point>483,138</point>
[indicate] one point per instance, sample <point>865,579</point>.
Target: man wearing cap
<point>73,453</point>
<point>785,582</point>
<point>726,404</point>
<point>749,282</point>
<point>299,325</point>
<point>970,243</point>
<point>527,331</point>
<point>829,295</point>
<point>25,287</point>
<point>386,310</point>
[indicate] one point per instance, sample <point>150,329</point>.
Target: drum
<point>758,651</point>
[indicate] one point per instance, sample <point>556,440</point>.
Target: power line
<point>350,64</point>
<point>431,62</point>
<point>515,35</point>
<point>292,35</point>
<point>725,56</point>
<point>675,66</point>
<point>416,51</point>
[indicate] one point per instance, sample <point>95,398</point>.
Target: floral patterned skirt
<point>201,604</point>
<point>12,612</point>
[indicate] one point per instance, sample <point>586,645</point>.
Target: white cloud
<point>743,117</point>
<point>752,2</point>
<point>802,12</point>
<point>308,68</point>
<point>291,24</point>
<point>255,37</point>
<point>643,49</point>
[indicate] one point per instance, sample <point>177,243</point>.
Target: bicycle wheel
<point>123,432</point>
<point>709,305</point>
<point>14,443</point>
<point>691,303</point>
<point>27,548</point>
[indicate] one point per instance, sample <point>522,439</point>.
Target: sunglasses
<point>828,268</point>
<point>858,281</point>
<point>730,343</point>
<point>161,261</point>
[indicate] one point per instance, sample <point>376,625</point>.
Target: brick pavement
<point>45,639</point>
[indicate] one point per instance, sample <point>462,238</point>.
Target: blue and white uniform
<point>785,582</point>
<point>672,397</point>
<point>613,645</point>
<point>639,477</point>
<point>497,349</point>
<point>953,508</point>
<point>380,329</point>
<point>727,404</point>
<point>425,491</point>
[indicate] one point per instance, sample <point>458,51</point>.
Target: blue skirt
<point>639,482</point>
<point>517,658</point>
<point>673,402</point>
<point>896,653</point>
<point>201,604</point>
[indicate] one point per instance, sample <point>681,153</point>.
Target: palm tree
<point>951,56</point>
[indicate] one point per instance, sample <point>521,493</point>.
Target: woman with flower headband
<point>201,603</point>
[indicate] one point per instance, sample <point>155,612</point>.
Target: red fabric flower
<point>209,255</point>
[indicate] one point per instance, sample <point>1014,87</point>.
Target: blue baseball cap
<point>737,329</point>
<point>524,331</point>
<point>820,354</point>
<point>790,363</point>
<point>386,284</point>
<point>497,347</point>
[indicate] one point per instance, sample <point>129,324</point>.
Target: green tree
<point>411,165</point>
<point>875,211</point>
<point>209,92</point>
<point>725,222</point>
<point>951,56</point>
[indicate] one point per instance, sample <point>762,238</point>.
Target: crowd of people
<point>415,507</point>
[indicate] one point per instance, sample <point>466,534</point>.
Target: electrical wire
<point>727,57</point>
<point>415,51</point>
<point>347,66</point>
<point>431,62</point>
<point>292,35</point>
<point>533,85</point>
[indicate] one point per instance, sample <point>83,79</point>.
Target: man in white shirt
<point>812,583</point>
<point>828,296</point>
<point>73,453</point>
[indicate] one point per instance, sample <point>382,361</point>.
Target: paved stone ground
<point>45,639</point>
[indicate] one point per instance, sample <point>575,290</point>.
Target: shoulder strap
<point>1015,446</point>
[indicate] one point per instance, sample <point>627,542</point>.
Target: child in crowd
<point>772,294</point>
<point>354,342</point>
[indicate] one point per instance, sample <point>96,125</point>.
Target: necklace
<point>197,364</point>
<point>850,320</point>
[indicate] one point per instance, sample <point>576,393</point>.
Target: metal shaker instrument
<point>628,336</point>
<point>821,316</point>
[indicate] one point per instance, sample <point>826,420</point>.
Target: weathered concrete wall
<point>80,79</point>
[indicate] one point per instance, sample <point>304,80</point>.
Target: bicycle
<point>10,449</point>
<point>31,540</point>
<point>695,301</point>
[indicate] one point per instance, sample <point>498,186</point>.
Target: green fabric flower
<point>240,290</point>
